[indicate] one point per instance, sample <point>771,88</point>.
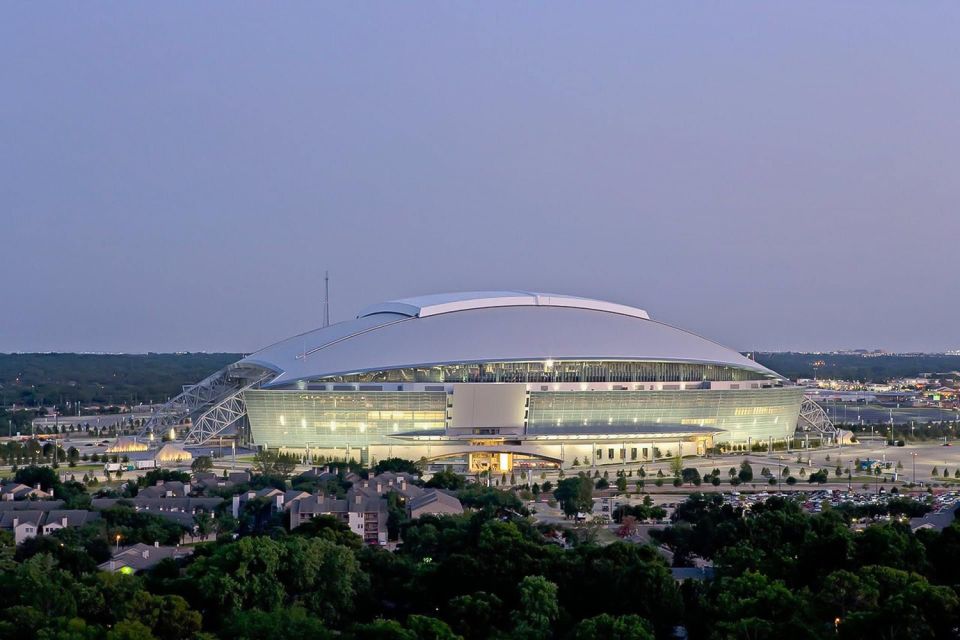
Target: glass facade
<point>547,371</point>
<point>300,419</point>
<point>755,413</point>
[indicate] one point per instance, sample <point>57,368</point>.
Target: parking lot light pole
<point>779,472</point>
<point>914,454</point>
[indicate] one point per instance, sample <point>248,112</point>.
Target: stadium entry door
<point>494,462</point>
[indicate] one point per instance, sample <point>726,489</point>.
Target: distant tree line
<point>35,379</point>
<point>853,367</point>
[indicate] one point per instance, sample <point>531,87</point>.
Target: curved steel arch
<point>813,418</point>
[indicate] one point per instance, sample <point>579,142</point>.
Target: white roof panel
<point>488,326</point>
<point>435,304</point>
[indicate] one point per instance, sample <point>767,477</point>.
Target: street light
<point>118,542</point>
<point>914,454</point>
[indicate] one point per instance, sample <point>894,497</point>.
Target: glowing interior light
<point>282,421</point>
<point>549,363</point>
<point>333,425</point>
<point>303,423</point>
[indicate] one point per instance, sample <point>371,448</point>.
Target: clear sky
<point>178,176</point>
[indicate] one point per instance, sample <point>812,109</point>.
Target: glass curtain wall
<point>340,419</point>
<point>755,413</point>
<point>556,371</point>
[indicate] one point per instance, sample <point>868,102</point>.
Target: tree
<point>201,464</point>
<point>622,484</point>
<point>33,475</point>
<point>397,465</point>
<point>608,627</point>
<point>691,476</point>
<point>538,607</point>
<point>746,472</point>
<point>288,622</point>
<point>676,465</point>
<point>446,480</point>
<point>130,630</point>
<point>575,495</point>
<point>475,616</point>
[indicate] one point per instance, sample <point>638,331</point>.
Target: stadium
<point>493,381</point>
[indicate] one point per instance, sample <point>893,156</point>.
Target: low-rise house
<point>682,574</point>
<point>169,489</point>
<point>140,557</point>
<point>279,500</point>
<point>18,491</point>
<point>23,524</point>
<point>207,481</point>
<point>324,474</point>
<point>63,518</point>
<point>30,505</point>
<point>433,502</point>
<point>935,521</point>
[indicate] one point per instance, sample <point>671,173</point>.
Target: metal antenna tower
<point>326,298</point>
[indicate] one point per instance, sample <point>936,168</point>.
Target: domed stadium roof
<point>488,326</point>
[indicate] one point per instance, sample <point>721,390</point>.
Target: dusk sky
<point>777,176</point>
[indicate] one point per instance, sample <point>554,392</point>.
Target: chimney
<point>63,521</point>
<point>236,506</point>
<point>145,554</point>
<point>279,502</point>
<point>156,544</point>
<point>357,499</point>
<point>379,487</point>
<point>403,483</point>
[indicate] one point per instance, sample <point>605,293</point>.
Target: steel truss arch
<point>814,420</point>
